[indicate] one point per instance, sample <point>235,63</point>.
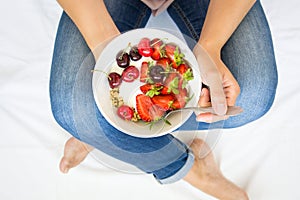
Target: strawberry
<point>157,45</point>
<point>146,87</point>
<point>146,109</point>
<point>144,72</point>
<point>163,101</point>
<point>171,84</point>
<point>144,47</point>
<point>174,54</point>
<point>164,62</point>
<point>182,68</point>
<point>151,89</point>
<point>186,74</point>
<point>177,104</point>
<point>180,99</point>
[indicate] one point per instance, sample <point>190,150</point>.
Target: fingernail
<point>203,119</point>
<point>202,93</point>
<point>220,109</point>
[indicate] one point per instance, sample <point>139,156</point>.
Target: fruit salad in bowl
<point>141,76</point>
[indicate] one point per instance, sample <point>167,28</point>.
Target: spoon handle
<point>231,110</point>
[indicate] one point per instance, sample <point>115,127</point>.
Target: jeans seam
<point>185,20</point>
<point>140,19</point>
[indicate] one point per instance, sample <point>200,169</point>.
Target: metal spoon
<point>231,110</point>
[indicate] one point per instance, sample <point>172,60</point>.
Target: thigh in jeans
<point>74,109</point>
<point>248,54</point>
<point>128,14</point>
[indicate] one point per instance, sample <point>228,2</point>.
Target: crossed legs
<point>204,175</point>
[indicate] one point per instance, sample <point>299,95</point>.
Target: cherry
<point>134,54</point>
<point>114,79</point>
<point>144,47</point>
<point>122,59</point>
<point>130,74</point>
<point>157,74</point>
<point>125,112</point>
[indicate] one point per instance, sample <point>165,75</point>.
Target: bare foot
<point>206,175</point>
<point>74,153</point>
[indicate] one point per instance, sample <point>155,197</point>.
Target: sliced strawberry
<point>180,99</point>
<point>146,109</point>
<point>171,84</point>
<point>144,72</point>
<point>170,49</point>
<point>186,71</point>
<point>144,47</point>
<point>165,90</point>
<point>163,101</point>
<point>151,89</point>
<point>158,51</point>
<point>178,104</point>
<point>174,54</point>
<point>182,68</point>
<point>146,87</point>
<point>164,62</point>
<point>156,55</point>
<point>156,43</point>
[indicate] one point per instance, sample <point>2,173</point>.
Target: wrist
<point>100,37</point>
<point>213,51</point>
<point>211,47</point>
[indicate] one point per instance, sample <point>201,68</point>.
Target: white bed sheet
<point>261,157</point>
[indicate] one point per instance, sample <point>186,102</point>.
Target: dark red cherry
<point>157,74</point>
<point>122,59</point>
<point>125,112</point>
<point>134,54</point>
<point>114,79</point>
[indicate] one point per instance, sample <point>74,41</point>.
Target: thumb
<point>218,100</point>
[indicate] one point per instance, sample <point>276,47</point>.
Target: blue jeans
<point>248,54</point>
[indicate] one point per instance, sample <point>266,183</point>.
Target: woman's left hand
<point>223,89</point>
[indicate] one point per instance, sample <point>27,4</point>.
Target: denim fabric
<point>248,54</point>
<point>75,110</point>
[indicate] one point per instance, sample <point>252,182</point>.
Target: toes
<point>64,165</point>
<point>75,152</point>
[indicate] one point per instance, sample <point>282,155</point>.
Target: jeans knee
<point>252,112</point>
<point>64,119</point>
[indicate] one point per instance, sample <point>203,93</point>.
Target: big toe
<point>64,165</point>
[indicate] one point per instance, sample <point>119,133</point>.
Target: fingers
<point>215,97</point>
<point>231,93</point>
<point>204,100</point>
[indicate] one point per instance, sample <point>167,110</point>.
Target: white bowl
<point>128,91</point>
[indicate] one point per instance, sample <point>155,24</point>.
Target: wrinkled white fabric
<point>261,157</point>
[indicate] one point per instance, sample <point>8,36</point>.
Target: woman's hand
<point>222,90</point>
<point>222,18</point>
